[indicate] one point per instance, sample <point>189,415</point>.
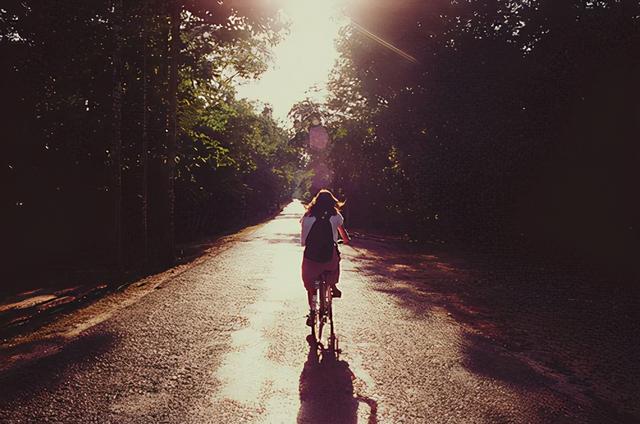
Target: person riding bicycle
<point>321,225</point>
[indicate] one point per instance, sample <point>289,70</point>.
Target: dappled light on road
<point>255,373</point>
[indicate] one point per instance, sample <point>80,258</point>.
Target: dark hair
<point>324,202</point>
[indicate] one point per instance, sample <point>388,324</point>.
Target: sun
<point>303,59</point>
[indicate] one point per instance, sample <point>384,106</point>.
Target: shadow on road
<point>580,327</point>
<point>327,394</point>
<point>44,373</point>
<point>485,358</point>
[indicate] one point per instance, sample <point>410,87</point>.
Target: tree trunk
<point>116,140</point>
<point>144,156</point>
<point>173,124</point>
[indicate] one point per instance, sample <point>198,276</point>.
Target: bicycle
<point>323,315</point>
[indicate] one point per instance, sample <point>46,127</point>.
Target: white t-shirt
<point>307,221</point>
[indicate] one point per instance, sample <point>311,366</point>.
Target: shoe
<point>310,318</point>
<point>335,292</point>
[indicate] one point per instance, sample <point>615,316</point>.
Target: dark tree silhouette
<point>124,136</point>
<point>509,129</point>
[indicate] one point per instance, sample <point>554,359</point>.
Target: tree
<point>459,138</point>
<point>116,161</point>
<point>91,113</point>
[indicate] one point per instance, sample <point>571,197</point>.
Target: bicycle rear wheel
<point>315,328</point>
<point>324,315</point>
<point>320,314</point>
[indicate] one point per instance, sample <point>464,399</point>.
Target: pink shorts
<point>311,270</point>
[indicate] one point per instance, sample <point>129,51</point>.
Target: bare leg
<point>310,300</point>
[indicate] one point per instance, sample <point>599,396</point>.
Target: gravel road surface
<point>223,340</point>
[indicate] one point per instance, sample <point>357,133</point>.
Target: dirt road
<point>224,341</point>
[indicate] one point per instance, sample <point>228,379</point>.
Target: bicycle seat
<point>321,278</point>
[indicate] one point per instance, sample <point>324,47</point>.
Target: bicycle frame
<point>323,316</point>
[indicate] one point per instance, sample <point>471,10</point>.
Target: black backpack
<point>319,246</point>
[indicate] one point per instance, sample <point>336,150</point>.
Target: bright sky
<point>303,59</point>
